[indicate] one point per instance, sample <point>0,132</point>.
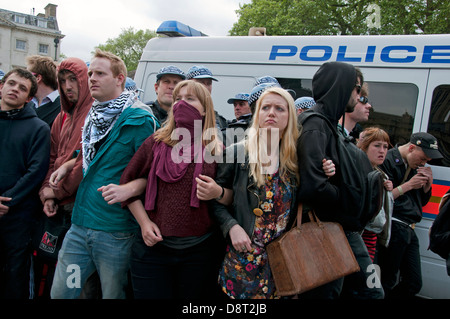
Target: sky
<point>87,24</point>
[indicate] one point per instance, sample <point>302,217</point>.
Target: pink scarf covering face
<point>170,163</point>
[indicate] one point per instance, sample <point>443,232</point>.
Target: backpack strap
<point>309,113</point>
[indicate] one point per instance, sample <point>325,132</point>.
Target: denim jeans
<point>400,263</point>
<point>85,251</point>
<point>366,283</point>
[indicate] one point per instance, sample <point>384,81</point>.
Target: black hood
<point>332,87</point>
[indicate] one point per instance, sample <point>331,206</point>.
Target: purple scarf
<point>170,163</point>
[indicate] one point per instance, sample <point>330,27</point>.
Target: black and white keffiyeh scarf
<point>99,122</point>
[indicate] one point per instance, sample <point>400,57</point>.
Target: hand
<point>57,175</point>
<point>417,181</point>
<point>388,185</point>
<point>207,188</point>
<point>239,239</point>
<point>328,168</point>
<point>426,172</point>
<point>50,207</point>
<point>113,193</point>
<point>46,193</point>
<point>3,208</point>
<point>151,233</point>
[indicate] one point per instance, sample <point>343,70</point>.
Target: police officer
<point>166,80</point>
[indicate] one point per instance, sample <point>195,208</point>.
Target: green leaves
<point>343,17</point>
<point>129,45</point>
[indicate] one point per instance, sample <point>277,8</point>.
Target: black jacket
<point>24,154</point>
<point>233,174</point>
<point>236,129</point>
<point>407,207</point>
<point>332,85</point>
<point>159,113</point>
<point>49,111</point>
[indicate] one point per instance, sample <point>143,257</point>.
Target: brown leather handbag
<point>310,255</point>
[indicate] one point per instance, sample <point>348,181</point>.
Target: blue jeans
<point>85,251</point>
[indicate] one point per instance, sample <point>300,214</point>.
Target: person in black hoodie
<point>25,153</point>
<point>336,86</point>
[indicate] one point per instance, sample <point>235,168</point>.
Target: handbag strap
<point>298,219</point>
<point>312,217</point>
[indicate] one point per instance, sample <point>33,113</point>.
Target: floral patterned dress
<point>246,275</point>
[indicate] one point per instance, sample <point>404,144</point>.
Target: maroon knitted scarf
<point>170,163</point>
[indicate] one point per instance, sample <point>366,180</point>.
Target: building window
<point>21,45</point>
<point>42,23</point>
<point>43,49</point>
<point>19,19</point>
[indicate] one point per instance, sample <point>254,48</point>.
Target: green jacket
<point>134,125</point>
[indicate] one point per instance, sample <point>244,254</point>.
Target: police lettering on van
<point>387,54</point>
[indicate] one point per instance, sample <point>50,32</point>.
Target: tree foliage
<point>129,45</point>
<point>328,17</point>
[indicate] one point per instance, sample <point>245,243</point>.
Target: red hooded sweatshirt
<point>66,131</point>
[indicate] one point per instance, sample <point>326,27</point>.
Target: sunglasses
<point>363,100</point>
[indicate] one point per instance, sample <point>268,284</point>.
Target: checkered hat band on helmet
<point>305,105</point>
<point>199,72</point>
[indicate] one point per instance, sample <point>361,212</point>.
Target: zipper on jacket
<point>259,202</point>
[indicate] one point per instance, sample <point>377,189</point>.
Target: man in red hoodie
<point>76,101</point>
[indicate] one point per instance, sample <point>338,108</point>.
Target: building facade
<point>24,34</point>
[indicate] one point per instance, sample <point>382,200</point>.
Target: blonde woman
<point>262,172</point>
<point>175,255</point>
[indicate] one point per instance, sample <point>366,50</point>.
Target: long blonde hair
<point>209,133</point>
<point>256,149</point>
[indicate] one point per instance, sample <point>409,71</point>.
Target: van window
<point>393,109</point>
<point>439,122</point>
<point>393,105</point>
<point>301,87</point>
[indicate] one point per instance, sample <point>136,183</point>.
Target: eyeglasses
<point>363,100</point>
<point>358,88</point>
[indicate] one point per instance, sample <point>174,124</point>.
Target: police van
<point>409,90</point>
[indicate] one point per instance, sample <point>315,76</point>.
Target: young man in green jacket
<point>101,234</point>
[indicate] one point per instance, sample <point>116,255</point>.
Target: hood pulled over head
<point>80,69</point>
<point>332,87</point>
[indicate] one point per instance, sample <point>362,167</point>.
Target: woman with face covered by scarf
<point>178,252</point>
